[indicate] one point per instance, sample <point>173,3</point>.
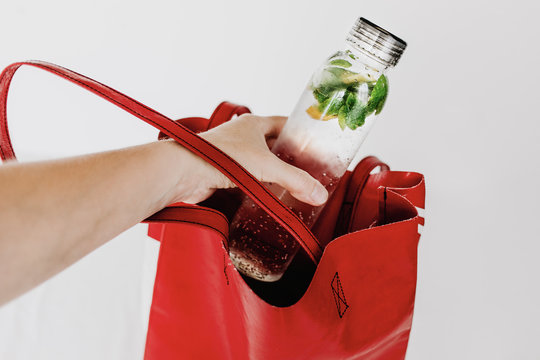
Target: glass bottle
<point>321,136</point>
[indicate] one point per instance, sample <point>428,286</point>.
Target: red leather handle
<point>224,112</point>
<point>191,141</point>
<point>193,214</point>
<point>358,181</point>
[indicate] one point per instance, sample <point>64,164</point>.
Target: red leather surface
<point>356,304</point>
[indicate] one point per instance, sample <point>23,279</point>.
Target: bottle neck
<point>369,64</point>
<point>377,47</point>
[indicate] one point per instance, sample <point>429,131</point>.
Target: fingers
<point>263,163</point>
<point>298,182</point>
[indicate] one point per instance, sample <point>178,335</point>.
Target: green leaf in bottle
<point>341,62</point>
<point>321,94</point>
<point>338,100</point>
<point>351,55</point>
<point>351,113</point>
<point>337,78</point>
<point>378,95</point>
<point>332,78</point>
<point>351,98</point>
<point>380,105</point>
<point>331,106</point>
<point>342,117</point>
<point>337,95</point>
<point>356,116</point>
<point>323,105</point>
<point>335,55</point>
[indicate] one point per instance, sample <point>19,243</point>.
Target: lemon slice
<point>357,78</point>
<point>313,111</point>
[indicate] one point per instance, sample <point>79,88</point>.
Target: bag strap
<point>192,214</point>
<point>358,181</point>
<point>223,113</point>
<point>191,141</point>
<point>196,214</point>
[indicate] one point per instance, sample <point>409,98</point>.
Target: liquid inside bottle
<point>321,136</point>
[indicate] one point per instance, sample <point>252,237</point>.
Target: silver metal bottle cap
<point>377,42</point>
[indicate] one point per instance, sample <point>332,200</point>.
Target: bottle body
<point>321,136</point>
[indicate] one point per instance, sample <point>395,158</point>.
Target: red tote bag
<point>348,295</point>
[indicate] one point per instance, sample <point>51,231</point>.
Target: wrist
<point>189,173</point>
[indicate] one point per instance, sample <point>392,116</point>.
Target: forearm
<point>53,213</point>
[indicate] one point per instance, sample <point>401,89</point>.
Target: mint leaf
<point>352,113</point>
<point>351,98</point>
<point>335,105</point>
<point>378,95</point>
<point>321,94</point>
<point>341,62</point>
<point>332,105</point>
<point>337,94</point>
<point>335,55</point>
<point>342,117</point>
<point>356,116</point>
<point>351,55</point>
<point>332,78</point>
<point>380,105</point>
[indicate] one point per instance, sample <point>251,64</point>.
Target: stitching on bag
<point>193,222</point>
<point>385,197</point>
<point>225,268</point>
<point>339,295</point>
<point>194,208</point>
<point>213,211</point>
<point>213,228</point>
<point>199,209</point>
<point>4,116</point>
<point>359,191</point>
<point>4,124</point>
<point>223,242</point>
<point>165,127</point>
<point>5,133</point>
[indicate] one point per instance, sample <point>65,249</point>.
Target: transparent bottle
<point>321,136</point>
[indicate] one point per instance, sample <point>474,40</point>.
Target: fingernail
<point>319,194</point>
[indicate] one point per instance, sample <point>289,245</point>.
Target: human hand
<point>120,188</point>
<point>247,140</point>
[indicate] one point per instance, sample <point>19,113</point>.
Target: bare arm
<point>53,213</point>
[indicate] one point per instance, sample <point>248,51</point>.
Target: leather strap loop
<point>224,112</point>
<point>195,124</point>
<point>193,214</point>
<point>358,181</point>
<point>191,141</point>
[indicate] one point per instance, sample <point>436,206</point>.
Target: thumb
<point>298,182</point>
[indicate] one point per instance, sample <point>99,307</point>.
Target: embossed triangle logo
<point>339,295</point>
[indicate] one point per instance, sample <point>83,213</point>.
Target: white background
<point>463,110</point>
